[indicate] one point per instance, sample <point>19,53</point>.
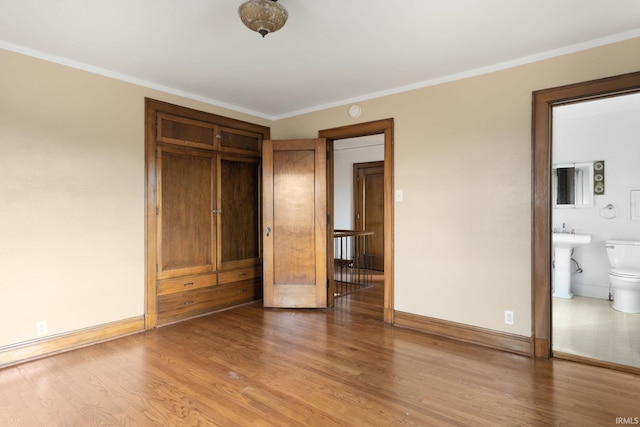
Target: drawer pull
<point>188,284</point>
<point>187,303</point>
<point>242,274</point>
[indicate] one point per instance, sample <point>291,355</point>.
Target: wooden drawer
<point>238,275</point>
<point>187,283</point>
<point>239,292</point>
<point>178,306</point>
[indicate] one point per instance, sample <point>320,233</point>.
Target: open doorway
<point>593,314</point>
<point>358,212</point>
<point>383,129</point>
<point>541,268</point>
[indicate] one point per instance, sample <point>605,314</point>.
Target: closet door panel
<point>185,212</point>
<point>239,181</point>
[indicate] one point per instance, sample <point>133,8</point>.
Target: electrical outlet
<point>508,317</point>
<point>41,327</point>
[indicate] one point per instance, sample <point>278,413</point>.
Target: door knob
<point>267,230</point>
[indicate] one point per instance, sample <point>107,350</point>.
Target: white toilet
<point>624,257</point>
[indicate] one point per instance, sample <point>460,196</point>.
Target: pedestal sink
<point>563,243</point>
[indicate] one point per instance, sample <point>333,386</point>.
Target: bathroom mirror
<point>572,185</point>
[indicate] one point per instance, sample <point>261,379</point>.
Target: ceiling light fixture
<point>263,16</point>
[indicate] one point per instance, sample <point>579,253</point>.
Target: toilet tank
<point>623,253</point>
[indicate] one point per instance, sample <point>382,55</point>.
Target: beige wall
<point>72,190</point>
<point>71,196</point>
<point>463,160</point>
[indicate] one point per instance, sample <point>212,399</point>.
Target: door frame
<point>543,103</point>
<point>385,127</point>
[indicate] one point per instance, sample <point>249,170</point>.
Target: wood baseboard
<point>29,350</point>
<point>596,362</point>
<point>541,348</point>
<point>472,334</point>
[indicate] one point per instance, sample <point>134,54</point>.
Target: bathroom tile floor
<point>589,327</point>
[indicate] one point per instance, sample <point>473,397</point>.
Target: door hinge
<point>328,219</point>
<point>157,211</point>
<point>327,283</point>
<point>156,268</point>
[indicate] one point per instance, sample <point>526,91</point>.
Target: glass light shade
<point>263,16</point>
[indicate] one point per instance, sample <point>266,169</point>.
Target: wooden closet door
<point>239,212</point>
<point>186,204</point>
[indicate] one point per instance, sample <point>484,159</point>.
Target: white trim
<point>126,78</point>
<point>475,72</point>
<point>432,82</point>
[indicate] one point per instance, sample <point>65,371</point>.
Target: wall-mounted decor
<point>598,177</point>
<point>572,185</point>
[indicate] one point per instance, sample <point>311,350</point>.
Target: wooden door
<point>369,209</point>
<point>295,223</point>
<point>185,213</point>
<point>239,212</point>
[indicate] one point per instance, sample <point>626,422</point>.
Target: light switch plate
<point>399,196</point>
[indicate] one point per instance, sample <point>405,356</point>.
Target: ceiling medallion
<point>263,16</point>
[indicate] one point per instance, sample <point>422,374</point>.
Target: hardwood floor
<point>368,302</point>
<point>280,367</point>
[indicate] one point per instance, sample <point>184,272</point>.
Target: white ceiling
<point>330,52</point>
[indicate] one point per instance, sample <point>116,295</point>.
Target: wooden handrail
<point>343,233</point>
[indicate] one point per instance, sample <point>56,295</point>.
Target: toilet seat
<point>625,273</point>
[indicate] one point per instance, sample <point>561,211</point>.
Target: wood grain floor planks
<point>251,366</point>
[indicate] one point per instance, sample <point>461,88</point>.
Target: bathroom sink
<point>567,240</point>
<point>563,244</point>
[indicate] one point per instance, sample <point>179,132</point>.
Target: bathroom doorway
<point>595,144</point>
<point>544,101</point>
